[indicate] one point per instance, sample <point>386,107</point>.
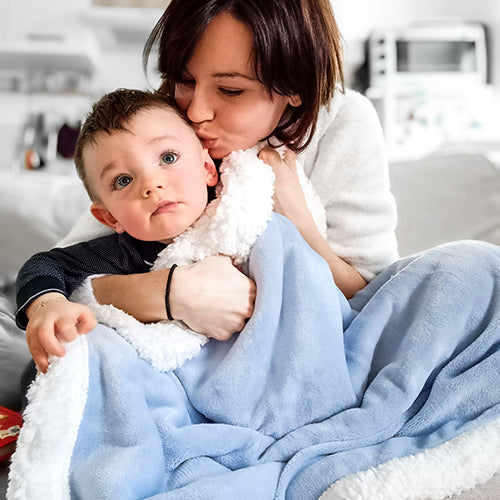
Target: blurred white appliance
<point>429,83</point>
<point>428,54</point>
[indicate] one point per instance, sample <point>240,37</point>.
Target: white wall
<point>20,15</point>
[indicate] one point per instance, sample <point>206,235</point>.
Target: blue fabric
<point>314,388</point>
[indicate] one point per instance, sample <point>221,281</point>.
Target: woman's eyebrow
<point>234,74</point>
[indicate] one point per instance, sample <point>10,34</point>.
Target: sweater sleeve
<point>351,175</point>
<point>64,269</point>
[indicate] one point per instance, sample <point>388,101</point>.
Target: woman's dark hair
<point>297,49</point>
<point>111,113</point>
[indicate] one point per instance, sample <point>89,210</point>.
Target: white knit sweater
<point>347,164</point>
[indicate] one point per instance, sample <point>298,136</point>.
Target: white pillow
<point>446,198</point>
<point>37,209</point>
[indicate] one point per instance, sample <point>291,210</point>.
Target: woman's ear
<point>104,216</point>
<point>295,101</point>
<point>211,175</point>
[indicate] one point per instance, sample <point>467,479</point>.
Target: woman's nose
<point>199,108</point>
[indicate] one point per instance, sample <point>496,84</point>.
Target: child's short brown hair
<point>111,113</point>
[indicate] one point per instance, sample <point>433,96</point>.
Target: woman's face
<point>229,108</point>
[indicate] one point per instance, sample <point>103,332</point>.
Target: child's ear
<point>211,175</point>
<point>104,216</point>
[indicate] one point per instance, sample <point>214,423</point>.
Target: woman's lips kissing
<point>208,143</point>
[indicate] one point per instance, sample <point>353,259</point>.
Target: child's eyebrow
<point>162,138</point>
<point>105,170</point>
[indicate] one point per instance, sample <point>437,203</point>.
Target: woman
<point>244,71</point>
<point>249,70</point>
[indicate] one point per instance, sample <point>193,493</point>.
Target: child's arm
<point>63,270</point>
<point>52,320</point>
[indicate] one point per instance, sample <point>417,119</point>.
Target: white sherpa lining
<point>51,422</point>
<point>230,226</point>
<point>458,465</point>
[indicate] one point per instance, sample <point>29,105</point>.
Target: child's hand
<point>53,319</point>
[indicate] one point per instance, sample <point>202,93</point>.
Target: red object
<point>10,425</point>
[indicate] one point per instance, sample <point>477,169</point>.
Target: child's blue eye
<point>169,158</point>
<point>122,181</point>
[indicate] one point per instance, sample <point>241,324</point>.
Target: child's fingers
<point>41,360</point>
<point>86,322</point>
<point>39,354</point>
<point>66,329</point>
<point>49,342</point>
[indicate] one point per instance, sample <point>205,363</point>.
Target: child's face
<point>152,178</point>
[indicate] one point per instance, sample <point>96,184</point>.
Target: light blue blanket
<point>315,388</point>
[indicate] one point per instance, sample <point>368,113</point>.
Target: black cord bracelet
<point>167,292</point>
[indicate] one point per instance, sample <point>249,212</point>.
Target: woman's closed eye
<point>121,181</point>
<point>230,92</point>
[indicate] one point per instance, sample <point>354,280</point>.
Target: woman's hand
<point>212,297</point>
<point>289,198</point>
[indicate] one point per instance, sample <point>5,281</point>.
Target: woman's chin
<point>218,153</point>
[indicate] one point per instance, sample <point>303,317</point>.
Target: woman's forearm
<point>140,295</point>
<point>211,296</point>
<point>348,279</point>
<point>290,201</point>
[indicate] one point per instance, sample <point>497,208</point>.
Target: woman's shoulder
<point>345,105</point>
<point>349,116</point>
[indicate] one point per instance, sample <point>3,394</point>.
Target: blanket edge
<point>450,468</point>
<point>52,420</point>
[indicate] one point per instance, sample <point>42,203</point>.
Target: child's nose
<point>150,186</point>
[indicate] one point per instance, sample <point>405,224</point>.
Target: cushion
<point>446,198</point>
<point>36,210</point>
